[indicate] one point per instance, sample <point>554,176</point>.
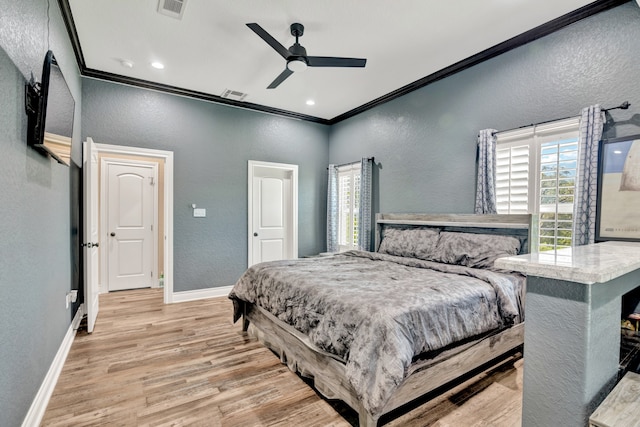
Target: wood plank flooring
<point>150,364</point>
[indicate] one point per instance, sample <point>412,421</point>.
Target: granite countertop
<point>597,263</point>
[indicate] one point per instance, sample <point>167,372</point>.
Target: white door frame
<point>294,204</point>
<point>167,156</point>
<point>104,216</point>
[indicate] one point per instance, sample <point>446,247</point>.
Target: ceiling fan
<point>296,55</point>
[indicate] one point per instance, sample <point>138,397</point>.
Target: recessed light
<point>126,63</point>
<point>311,102</point>
<point>617,152</point>
<point>157,65</point>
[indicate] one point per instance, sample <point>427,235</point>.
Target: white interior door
<point>130,221</point>
<point>91,256</point>
<point>273,212</point>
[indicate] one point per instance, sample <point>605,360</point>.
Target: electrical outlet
<point>71,296</point>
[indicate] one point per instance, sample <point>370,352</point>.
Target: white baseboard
<point>40,402</point>
<point>183,296</point>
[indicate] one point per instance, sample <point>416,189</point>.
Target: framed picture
<point>618,209</point>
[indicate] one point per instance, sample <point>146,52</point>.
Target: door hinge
<point>151,227</point>
<point>152,274</point>
<point>151,180</point>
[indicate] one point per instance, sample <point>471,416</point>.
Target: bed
<point>380,329</point>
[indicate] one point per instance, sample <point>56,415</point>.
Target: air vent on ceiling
<point>172,8</point>
<point>234,94</point>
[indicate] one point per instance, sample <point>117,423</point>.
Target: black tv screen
<point>50,108</point>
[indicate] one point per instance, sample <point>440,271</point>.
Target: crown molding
<point>513,43</point>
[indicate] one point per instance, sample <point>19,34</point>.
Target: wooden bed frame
<point>329,373</point>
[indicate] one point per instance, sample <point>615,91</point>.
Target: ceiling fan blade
<point>329,61</point>
<point>282,77</point>
<point>283,51</point>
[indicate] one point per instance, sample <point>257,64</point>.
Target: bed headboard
<point>520,225</point>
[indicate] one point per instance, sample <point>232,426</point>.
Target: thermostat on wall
<point>199,213</point>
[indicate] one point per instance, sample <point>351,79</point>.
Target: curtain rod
<point>625,105</point>
<point>353,163</point>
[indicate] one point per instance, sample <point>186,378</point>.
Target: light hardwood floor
<point>150,364</point>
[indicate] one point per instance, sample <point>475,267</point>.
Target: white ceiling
<point>211,49</point>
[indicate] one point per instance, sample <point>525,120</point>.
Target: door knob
<point>113,234</point>
<point>255,234</point>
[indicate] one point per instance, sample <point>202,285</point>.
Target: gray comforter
<point>376,312</point>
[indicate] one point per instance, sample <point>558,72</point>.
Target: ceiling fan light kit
<point>296,55</point>
<point>297,65</point>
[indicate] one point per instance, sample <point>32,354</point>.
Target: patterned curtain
<point>486,181</point>
<point>364,212</point>
<point>332,209</point>
<point>584,210</point>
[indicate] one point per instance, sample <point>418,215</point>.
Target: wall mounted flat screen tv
<point>50,108</point>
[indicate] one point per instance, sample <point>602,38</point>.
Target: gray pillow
<point>411,242</point>
<point>474,250</point>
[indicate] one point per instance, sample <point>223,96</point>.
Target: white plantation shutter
<point>557,177</point>
<point>536,169</point>
<point>356,209</point>
<point>344,196</point>
<point>512,178</point>
<point>349,199</point>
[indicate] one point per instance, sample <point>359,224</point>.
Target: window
<point>348,206</point>
<point>536,172</point>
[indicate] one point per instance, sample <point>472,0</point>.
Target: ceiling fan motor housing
<point>298,50</point>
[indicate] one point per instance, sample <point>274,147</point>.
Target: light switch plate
<point>199,212</point>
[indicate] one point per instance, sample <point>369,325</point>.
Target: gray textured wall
<point>35,247</point>
<point>212,144</point>
<point>425,142</point>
